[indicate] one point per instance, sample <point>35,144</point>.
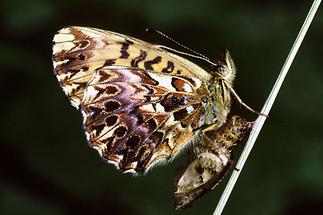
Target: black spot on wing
<point>157,137</point>
<point>81,57</point>
<point>111,90</point>
<point>109,62</point>
<point>124,50</point>
<point>148,64</point>
<point>151,124</point>
<point>133,141</point>
<point>111,120</point>
<point>120,131</point>
<point>180,114</point>
<point>141,57</point>
<point>111,105</point>
<point>169,68</point>
<point>170,102</point>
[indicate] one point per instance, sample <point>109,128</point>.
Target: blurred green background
<point>48,168</point>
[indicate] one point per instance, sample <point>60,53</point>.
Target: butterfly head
<point>226,70</point>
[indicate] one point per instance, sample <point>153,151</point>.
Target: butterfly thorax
<point>222,77</point>
<point>218,103</point>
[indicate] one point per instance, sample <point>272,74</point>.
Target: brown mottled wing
<point>197,179</point>
<point>79,51</point>
<point>211,161</point>
<point>135,118</point>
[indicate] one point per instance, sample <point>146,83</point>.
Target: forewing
<point>135,118</point>
<point>79,51</point>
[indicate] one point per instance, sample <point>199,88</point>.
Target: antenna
<point>187,54</point>
<point>197,54</point>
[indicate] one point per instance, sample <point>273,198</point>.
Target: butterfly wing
<point>200,176</point>
<point>135,117</point>
<point>88,64</point>
<point>211,161</point>
<point>79,51</point>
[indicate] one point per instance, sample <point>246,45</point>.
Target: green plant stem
<point>266,109</point>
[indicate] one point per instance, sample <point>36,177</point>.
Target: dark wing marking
<point>135,118</point>
<point>79,51</point>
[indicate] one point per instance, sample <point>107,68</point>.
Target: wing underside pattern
<point>134,121</point>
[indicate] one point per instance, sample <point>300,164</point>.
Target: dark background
<point>46,166</point>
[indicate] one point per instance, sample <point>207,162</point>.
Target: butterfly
<point>141,103</point>
<point>210,161</point>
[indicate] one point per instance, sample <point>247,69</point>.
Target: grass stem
<point>266,109</point>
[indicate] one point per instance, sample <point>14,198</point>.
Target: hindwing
<point>135,117</point>
<point>211,160</point>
